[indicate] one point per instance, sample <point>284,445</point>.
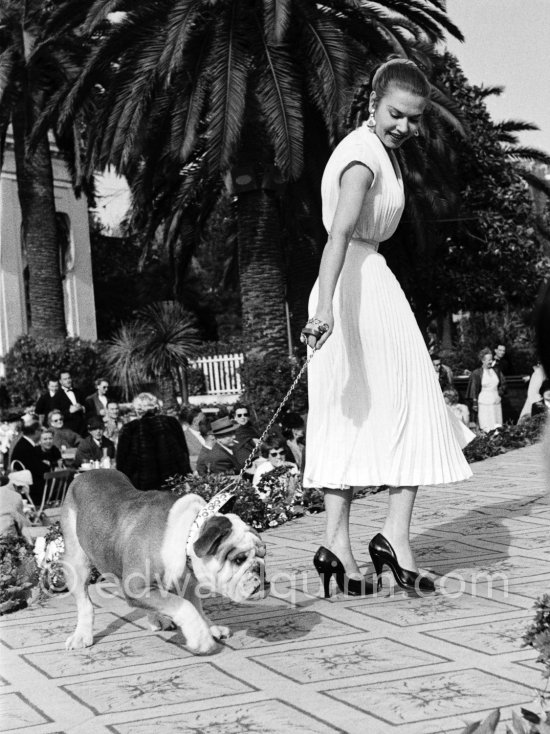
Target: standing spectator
<point>220,458</point>
<point>443,372</point>
<point>501,362</point>
<point>113,422</point>
<point>27,452</point>
<point>96,403</point>
<point>95,446</point>
<point>542,406</point>
<point>62,436</point>
<point>195,428</point>
<point>45,403</point>
<point>485,389</point>
<point>51,455</point>
<point>151,448</point>
<point>71,403</point>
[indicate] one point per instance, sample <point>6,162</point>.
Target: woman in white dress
<point>376,412</point>
<point>485,388</point>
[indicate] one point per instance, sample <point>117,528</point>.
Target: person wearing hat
<point>221,458</point>
<point>95,446</point>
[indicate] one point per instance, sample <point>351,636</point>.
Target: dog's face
<point>229,558</point>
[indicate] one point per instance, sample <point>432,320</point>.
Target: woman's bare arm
<point>354,184</point>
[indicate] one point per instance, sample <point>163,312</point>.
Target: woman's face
<point>46,441</point>
<point>486,360</point>
<point>398,115</point>
<point>276,456</point>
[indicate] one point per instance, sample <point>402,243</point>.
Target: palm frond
<point>229,63</point>
<point>537,182</point>
<point>493,90</point>
<point>124,358</point>
<point>278,93</point>
<point>171,336</point>
<point>524,153</point>
<point>180,27</point>
<point>277,18</point>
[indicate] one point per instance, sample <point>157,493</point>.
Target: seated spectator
<point>45,403</point>
<point>113,422</point>
<point>94,447</point>
<point>62,437</point>
<point>13,521</point>
<point>444,373</point>
<point>273,452</point>
<point>152,447</point>
<point>220,458</point>
<point>96,403</point>
<point>27,455</point>
<point>51,455</point>
<point>294,433</point>
<point>245,430</point>
<point>459,409</point>
<point>542,406</point>
<point>195,428</point>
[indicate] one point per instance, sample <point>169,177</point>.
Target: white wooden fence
<point>221,373</point>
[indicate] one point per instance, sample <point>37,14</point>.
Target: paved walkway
<point>298,663</point>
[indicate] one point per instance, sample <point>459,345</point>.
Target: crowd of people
<point>487,405</point>
<point>65,430</point>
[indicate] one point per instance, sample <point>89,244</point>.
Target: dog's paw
<point>159,622</point>
<point>78,640</point>
<point>219,632</point>
<point>201,642</point>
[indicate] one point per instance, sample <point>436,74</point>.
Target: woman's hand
<point>317,330</point>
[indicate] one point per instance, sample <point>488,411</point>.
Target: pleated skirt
<point>376,411</point>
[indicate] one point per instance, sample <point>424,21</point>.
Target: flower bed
<point>505,438</point>
<point>18,574</point>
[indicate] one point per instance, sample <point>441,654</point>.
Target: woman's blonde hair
<point>146,402</point>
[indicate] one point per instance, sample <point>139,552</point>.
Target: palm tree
<point>155,348</point>
<point>190,92</point>
<point>30,69</point>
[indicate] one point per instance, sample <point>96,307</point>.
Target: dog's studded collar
<point>211,508</point>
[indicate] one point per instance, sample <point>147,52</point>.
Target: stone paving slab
<point>299,663</point>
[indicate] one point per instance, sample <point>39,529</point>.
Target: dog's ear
<point>214,530</point>
<point>228,507</point>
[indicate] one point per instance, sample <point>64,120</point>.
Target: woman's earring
<point>371,122</point>
<point>416,133</point>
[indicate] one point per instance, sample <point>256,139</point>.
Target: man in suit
<point>95,446</point>
<point>71,403</point>
<point>220,459</point>
<point>27,451</point>
<point>45,403</point>
<point>96,403</point>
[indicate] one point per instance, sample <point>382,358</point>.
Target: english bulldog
<point>166,551</point>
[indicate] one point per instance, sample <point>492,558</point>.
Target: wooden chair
<point>56,484</point>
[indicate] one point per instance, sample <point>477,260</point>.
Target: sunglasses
<point>56,420</point>
<point>277,453</point>
<point>241,415</point>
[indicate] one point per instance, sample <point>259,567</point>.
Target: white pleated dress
<point>376,411</point>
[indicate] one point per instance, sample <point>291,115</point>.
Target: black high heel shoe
<point>382,554</point>
<point>328,565</point>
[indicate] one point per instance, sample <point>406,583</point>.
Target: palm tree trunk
<point>167,390</point>
<point>261,273</point>
<point>39,232</point>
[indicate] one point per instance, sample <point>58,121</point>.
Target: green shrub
<point>505,438</point>
<point>18,573</point>
<point>31,361</point>
<point>266,380</point>
<point>538,634</point>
